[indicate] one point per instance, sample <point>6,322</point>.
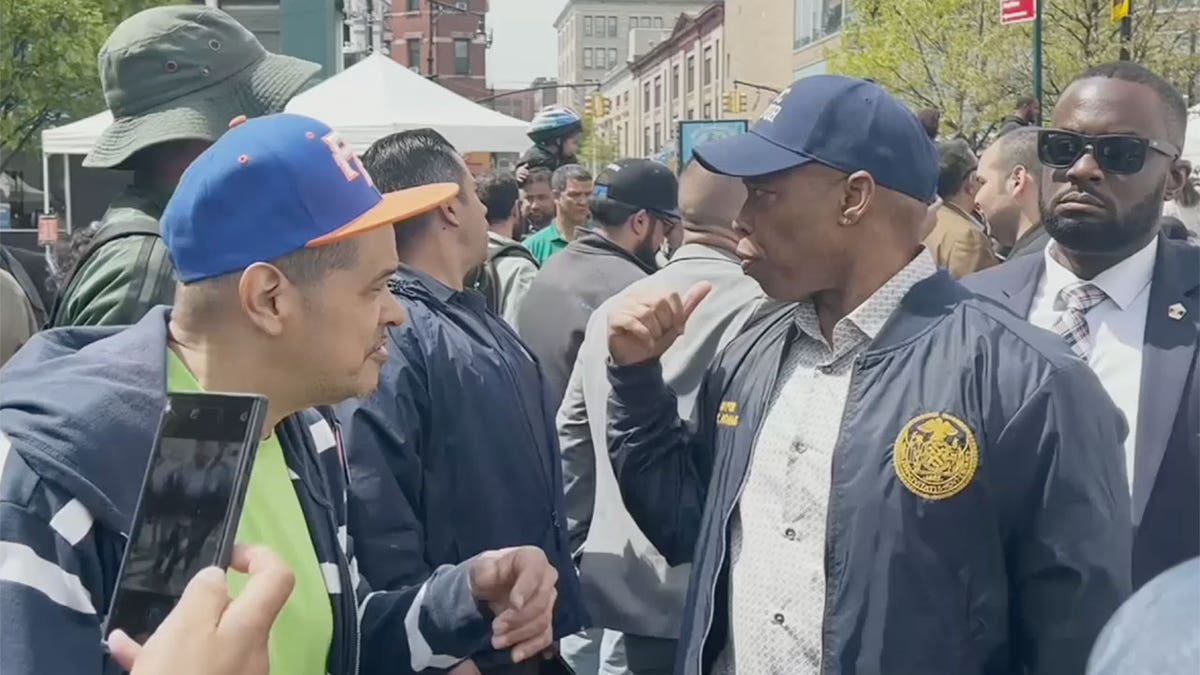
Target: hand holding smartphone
<point>191,501</point>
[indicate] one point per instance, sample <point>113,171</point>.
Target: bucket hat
<point>183,72</point>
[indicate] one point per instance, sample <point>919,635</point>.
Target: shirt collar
<point>1122,282</point>
<point>870,317</point>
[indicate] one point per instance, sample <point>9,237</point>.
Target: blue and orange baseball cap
<point>844,123</point>
<point>274,185</point>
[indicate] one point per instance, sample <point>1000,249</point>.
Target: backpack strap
<point>510,251</point>
<point>135,224</point>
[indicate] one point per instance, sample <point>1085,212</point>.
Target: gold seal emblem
<point>935,455</point>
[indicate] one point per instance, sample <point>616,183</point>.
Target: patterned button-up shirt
<point>778,531</point>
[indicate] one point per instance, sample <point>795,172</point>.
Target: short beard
<point>646,251</point>
<point>1110,235</point>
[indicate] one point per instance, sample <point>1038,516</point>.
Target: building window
<point>461,4</point>
<point>601,62</point>
<point>657,136</point>
<point>658,22</point>
<point>626,97</point>
<point>462,57</point>
<point>657,92</point>
<point>633,22</point>
<point>708,111</point>
<point>691,73</point>
<point>413,6</point>
<point>646,141</point>
<point>414,53</point>
<point>612,26</point>
<point>817,19</point>
<point>708,65</point>
<point>717,62</point>
<point>675,82</point>
<point>691,113</point>
<point>587,57</point>
<point>587,26</point>
<point>612,57</point>
<point>646,96</point>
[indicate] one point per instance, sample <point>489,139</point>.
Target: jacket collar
<point>702,252</point>
<point>409,277</point>
<point>923,307</point>
<point>597,244</point>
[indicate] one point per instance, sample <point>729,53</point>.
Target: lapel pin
<point>1176,311</point>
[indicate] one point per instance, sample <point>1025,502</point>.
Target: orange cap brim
<point>393,208</point>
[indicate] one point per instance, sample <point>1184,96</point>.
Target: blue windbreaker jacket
<point>456,452</point>
<point>79,410</point>
<point>1014,571</point>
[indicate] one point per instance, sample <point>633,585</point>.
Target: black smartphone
<point>190,504</point>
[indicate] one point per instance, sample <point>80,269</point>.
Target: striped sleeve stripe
<point>72,522</point>
<point>5,446</point>
<point>333,578</point>
<point>19,564</point>
<point>322,435</point>
<point>420,653</point>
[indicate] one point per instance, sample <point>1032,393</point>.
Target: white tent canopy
<point>377,96</point>
<point>76,138</point>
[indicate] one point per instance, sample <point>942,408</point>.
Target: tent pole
<point>45,183</point>
<point>67,189</point>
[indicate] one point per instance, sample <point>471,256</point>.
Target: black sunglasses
<point>1115,153</point>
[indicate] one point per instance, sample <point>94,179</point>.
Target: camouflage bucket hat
<point>183,72</point>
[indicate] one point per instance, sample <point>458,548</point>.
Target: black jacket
<point>1014,574</point>
<point>456,453</point>
<point>1166,487</point>
<point>571,285</point>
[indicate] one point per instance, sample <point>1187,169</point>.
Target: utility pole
<point>1037,59</point>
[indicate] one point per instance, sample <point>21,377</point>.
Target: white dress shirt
<point>1117,327</point>
<point>777,533</point>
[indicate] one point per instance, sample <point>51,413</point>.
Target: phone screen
<point>193,489</point>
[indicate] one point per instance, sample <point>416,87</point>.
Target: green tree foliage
<point>597,149</point>
<point>48,68</point>
<point>955,56</point>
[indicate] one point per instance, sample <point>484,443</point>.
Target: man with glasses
<point>1121,295</point>
<point>634,207</point>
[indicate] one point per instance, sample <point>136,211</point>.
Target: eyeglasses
<point>1115,153</point>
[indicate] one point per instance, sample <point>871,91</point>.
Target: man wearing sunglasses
<point>634,207</point>
<point>1123,297</point>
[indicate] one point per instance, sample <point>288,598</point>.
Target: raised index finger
<point>695,295</point>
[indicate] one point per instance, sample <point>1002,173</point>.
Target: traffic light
<point>605,106</point>
<point>743,103</point>
<point>728,103</point>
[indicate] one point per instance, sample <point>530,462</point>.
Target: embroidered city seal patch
<point>935,455</point>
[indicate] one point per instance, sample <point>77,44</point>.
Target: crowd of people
<point>838,398</point>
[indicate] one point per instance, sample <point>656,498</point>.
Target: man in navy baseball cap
<point>284,250</point>
<point>873,437</point>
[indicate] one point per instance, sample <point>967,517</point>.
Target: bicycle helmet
<point>554,121</point>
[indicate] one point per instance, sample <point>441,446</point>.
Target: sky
<point>524,44</point>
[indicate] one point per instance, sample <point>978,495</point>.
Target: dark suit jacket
<point>1166,488</point>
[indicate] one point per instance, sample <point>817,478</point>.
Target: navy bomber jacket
<point>978,518</point>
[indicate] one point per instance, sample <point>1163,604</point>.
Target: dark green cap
<point>183,72</point>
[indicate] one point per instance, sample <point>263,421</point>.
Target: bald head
<point>708,201</point>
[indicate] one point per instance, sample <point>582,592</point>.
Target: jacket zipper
<point>737,497</point>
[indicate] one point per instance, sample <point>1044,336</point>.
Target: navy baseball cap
<point>844,123</point>
<point>274,185</point>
